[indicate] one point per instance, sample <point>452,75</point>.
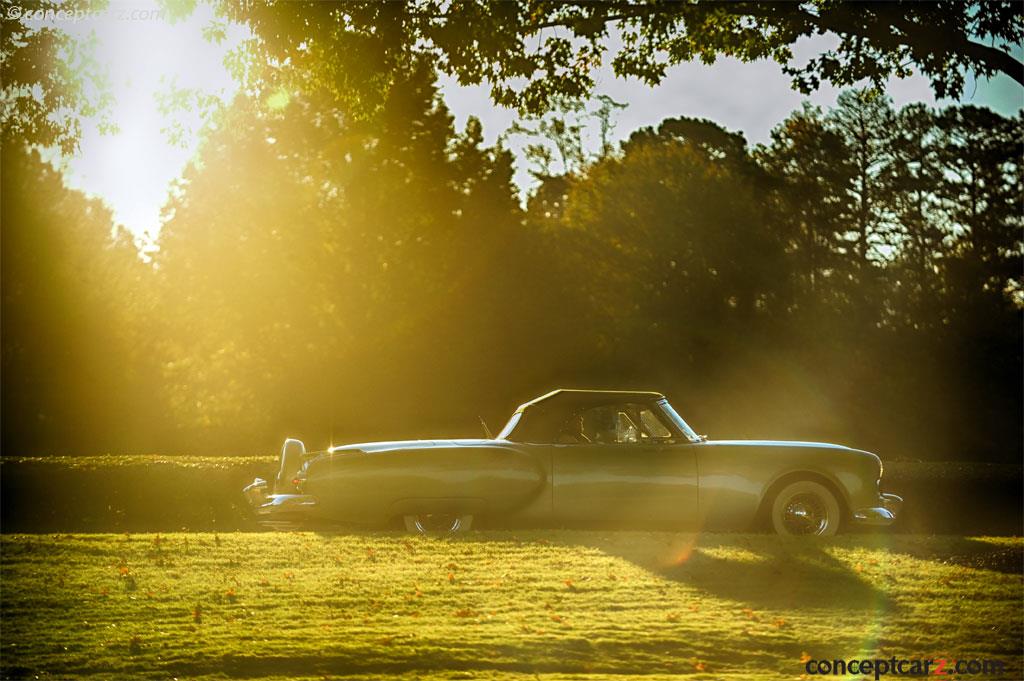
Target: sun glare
<point>146,57</point>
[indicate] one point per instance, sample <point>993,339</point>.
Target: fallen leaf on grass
<point>135,645</point>
<point>805,657</point>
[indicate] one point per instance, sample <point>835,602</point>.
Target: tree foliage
<point>532,54</point>
<point>49,82</point>
<point>336,277</point>
<point>313,255</point>
<point>75,372</point>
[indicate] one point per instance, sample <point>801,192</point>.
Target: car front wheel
<point>438,524</point>
<point>805,508</point>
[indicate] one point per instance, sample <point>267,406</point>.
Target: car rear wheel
<point>805,508</point>
<point>437,524</point>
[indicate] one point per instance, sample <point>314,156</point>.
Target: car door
<point>624,469</point>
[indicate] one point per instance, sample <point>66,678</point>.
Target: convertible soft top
<point>568,398</point>
<point>541,418</point>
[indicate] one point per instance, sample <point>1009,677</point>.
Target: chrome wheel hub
<point>437,523</point>
<point>805,514</point>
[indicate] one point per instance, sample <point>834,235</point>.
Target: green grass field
<point>528,604</point>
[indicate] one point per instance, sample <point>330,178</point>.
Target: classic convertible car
<point>582,457</point>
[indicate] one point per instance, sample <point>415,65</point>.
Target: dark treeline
<point>857,279</point>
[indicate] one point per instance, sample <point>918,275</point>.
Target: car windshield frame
<point>663,411</point>
<point>677,421</point>
<point>510,426</point>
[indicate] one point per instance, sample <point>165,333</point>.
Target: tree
<point>982,156</point>
<point>531,53</point>
<point>75,380</point>
<point>981,193</point>
<point>670,231</point>
<point>48,81</point>
<point>315,269</point>
<point>811,170</point>
<point>913,173</point>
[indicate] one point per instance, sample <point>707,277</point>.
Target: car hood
<point>374,447</point>
<point>771,443</point>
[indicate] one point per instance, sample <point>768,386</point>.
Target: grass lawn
<point>499,604</point>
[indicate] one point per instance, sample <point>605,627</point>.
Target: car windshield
<point>678,420</point>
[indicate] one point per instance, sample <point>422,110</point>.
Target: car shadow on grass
<point>759,572</point>
<point>766,572</point>
<point>777,574</point>
<point>969,552</point>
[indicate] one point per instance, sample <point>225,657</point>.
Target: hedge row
<point>127,494</point>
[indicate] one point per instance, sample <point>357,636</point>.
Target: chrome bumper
<point>882,515</point>
<point>270,504</point>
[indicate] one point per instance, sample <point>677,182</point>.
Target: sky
<point>145,57</point>
<point>144,54</point>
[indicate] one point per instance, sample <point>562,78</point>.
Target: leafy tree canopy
<point>48,81</point>
<point>532,52</point>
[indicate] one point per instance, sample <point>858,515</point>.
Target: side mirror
<point>292,454</point>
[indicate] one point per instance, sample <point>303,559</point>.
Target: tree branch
<point>915,36</point>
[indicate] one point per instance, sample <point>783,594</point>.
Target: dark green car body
<point>572,458</point>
